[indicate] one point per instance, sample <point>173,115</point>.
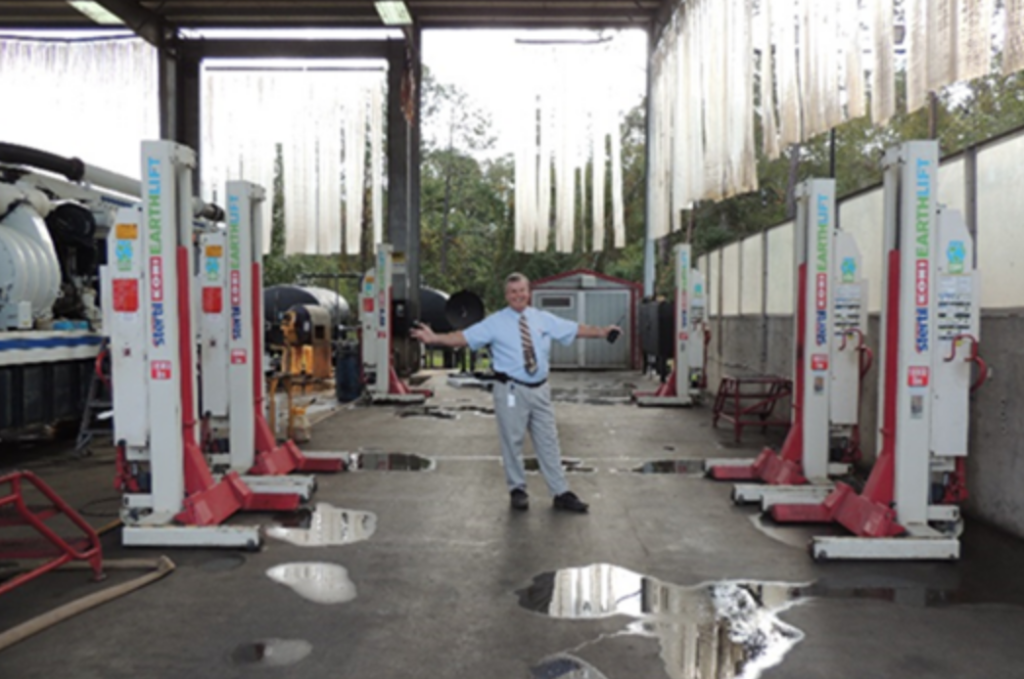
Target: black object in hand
<point>614,334</point>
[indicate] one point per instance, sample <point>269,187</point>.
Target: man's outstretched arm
<point>595,331</point>
<point>453,340</point>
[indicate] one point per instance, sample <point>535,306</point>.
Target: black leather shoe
<point>568,501</point>
<point>520,500</point>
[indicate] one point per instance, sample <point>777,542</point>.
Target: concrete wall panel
<point>752,279</point>
<point>780,269</point>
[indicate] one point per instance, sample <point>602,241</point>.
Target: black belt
<point>505,379</point>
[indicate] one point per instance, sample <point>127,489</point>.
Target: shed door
<point>564,304</point>
<point>605,307</point>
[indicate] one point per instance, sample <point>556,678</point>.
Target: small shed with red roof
<point>593,298</point>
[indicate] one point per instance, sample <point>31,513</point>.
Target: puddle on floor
<point>694,467</point>
<point>390,462</point>
<point>221,564</point>
<point>324,583</point>
<point>328,525</point>
<point>428,411</point>
<point>564,666</point>
<point>721,629</point>
<point>445,413</point>
<point>272,652</point>
<point>569,464</point>
<point>794,535</point>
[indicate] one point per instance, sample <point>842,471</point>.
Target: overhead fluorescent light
<point>394,13</point>
<point>96,12</point>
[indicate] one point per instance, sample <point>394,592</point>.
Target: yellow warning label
<point>127,231</point>
<point>214,251</point>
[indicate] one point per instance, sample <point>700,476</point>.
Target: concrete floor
<point>436,584</point>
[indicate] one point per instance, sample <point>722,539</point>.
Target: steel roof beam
<point>148,25</point>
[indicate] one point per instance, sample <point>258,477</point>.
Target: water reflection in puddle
<point>564,666</point>
<point>390,462</point>
<point>324,583</point>
<point>671,467</point>
<point>272,652</point>
<point>722,629</point>
<point>569,464</point>
<point>328,525</point>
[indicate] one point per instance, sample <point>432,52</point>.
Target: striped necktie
<point>529,356</point>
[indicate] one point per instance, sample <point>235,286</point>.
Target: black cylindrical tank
<point>432,309</point>
<point>277,299</point>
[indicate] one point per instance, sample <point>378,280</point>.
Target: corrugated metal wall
<point>603,304</point>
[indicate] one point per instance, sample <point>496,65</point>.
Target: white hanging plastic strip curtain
<point>681,125</point>
<point>769,126</point>
<point>672,132</point>
<point>565,192</point>
<point>95,100</point>
<point>744,155</point>
<point>883,83</point>
<point>810,88</point>
<point>790,93</point>
<point>530,176</point>
<point>694,168</point>
<point>377,160</point>
<point>659,226</point>
<point>542,225</point>
<point>600,157</point>
<point>715,66</point>
<point>1013,44</point>
<point>942,42</point>
<point>355,163</point>
<point>293,137</point>
<point>328,185</point>
<point>856,105</point>
<point>522,149</point>
<point>832,45</point>
<point>975,36</point>
<point>618,208</point>
<point>917,53</point>
<point>309,183</point>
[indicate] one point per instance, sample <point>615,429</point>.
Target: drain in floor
<point>324,583</point>
<point>671,467</point>
<point>390,462</point>
<point>272,652</point>
<point>328,525</point>
<point>739,619</point>
<point>569,464</point>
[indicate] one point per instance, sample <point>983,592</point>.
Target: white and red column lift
<point>230,280</point>
<point>170,496</point>
<point>376,299</point>
<point>909,507</point>
<point>688,378</point>
<point>830,361</point>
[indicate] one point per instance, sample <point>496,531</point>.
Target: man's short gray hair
<point>515,277</point>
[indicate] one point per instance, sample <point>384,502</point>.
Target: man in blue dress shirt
<point>520,339</point>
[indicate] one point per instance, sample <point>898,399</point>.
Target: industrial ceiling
<point>140,15</point>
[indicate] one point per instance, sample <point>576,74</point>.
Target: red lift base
<point>15,512</point>
<point>273,459</point>
<point>666,395</point>
<point>769,467</point>
<point>858,514</point>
